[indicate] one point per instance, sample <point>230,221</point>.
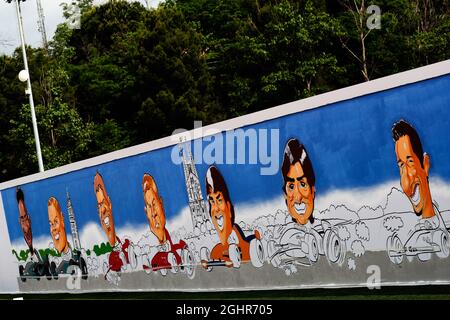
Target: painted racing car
<point>424,240</point>
<point>70,266</point>
<point>240,249</point>
<point>35,270</point>
<point>303,246</point>
<point>174,257</point>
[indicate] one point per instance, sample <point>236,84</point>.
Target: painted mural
<point>357,183</point>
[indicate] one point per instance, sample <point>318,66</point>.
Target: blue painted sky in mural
<point>349,143</point>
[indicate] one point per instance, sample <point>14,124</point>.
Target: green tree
<point>128,58</point>
<point>131,75</point>
<point>431,43</point>
<point>12,96</point>
<point>413,33</point>
<point>300,40</point>
<point>64,136</point>
<point>266,53</point>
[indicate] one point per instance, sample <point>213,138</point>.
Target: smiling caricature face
<point>25,223</point>
<point>299,194</point>
<point>414,177</point>
<point>220,211</point>
<point>104,207</point>
<point>57,229</point>
<point>154,211</point>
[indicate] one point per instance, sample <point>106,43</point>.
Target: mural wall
<point>359,183</point>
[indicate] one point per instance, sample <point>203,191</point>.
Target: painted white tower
<point>197,206</point>
<point>73,224</point>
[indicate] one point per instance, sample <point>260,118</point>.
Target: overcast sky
<point>9,30</point>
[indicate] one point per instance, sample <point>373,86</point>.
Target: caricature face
<point>299,194</point>
<point>413,177</point>
<point>57,229</point>
<point>25,223</point>
<point>104,207</point>
<point>155,214</point>
<point>220,215</point>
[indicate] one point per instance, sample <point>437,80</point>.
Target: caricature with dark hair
<point>414,167</point>
<point>170,256</point>
<point>35,266</point>
<point>234,246</point>
<point>299,182</point>
<point>123,254</point>
<point>430,235</point>
<point>304,239</point>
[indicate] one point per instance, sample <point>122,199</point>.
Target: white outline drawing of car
<point>303,246</point>
<point>424,240</point>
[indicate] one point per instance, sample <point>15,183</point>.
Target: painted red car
<point>173,257</point>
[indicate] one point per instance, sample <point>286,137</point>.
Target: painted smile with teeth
<point>220,222</point>
<point>57,236</point>
<point>300,208</point>
<point>106,221</point>
<point>415,198</point>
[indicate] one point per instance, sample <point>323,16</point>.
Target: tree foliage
<point>130,75</point>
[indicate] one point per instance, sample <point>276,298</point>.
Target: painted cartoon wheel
<point>333,247</point>
<point>395,249</point>
<point>287,271</point>
<point>47,272</point>
<point>22,276</point>
<point>39,270</point>
<point>146,264</point>
<point>256,253</point>
<point>235,255</point>
<point>105,266</point>
<point>424,256</point>
<point>163,271</point>
<point>53,270</point>
<point>172,260</point>
<point>74,268</point>
<point>132,257</point>
<point>205,256</point>
<point>274,258</point>
<point>313,248</point>
<point>189,263</point>
<point>84,270</point>
<point>441,239</point>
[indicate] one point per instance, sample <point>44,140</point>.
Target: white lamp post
<point>24,75</point>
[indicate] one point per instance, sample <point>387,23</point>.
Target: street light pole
<point>29,91</point>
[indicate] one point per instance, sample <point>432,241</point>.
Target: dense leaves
<point>130,74</point>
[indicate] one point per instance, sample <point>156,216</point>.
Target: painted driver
<point>35,264</point>
<point>154,210</point>
<point>58,233</point>
<point>414,167</point>
<point>119,257</point>
<point>222,215</point>
<point>299,183</point>
<point>430,234</point>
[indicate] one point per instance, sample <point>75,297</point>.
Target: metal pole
<point>28,91</point>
